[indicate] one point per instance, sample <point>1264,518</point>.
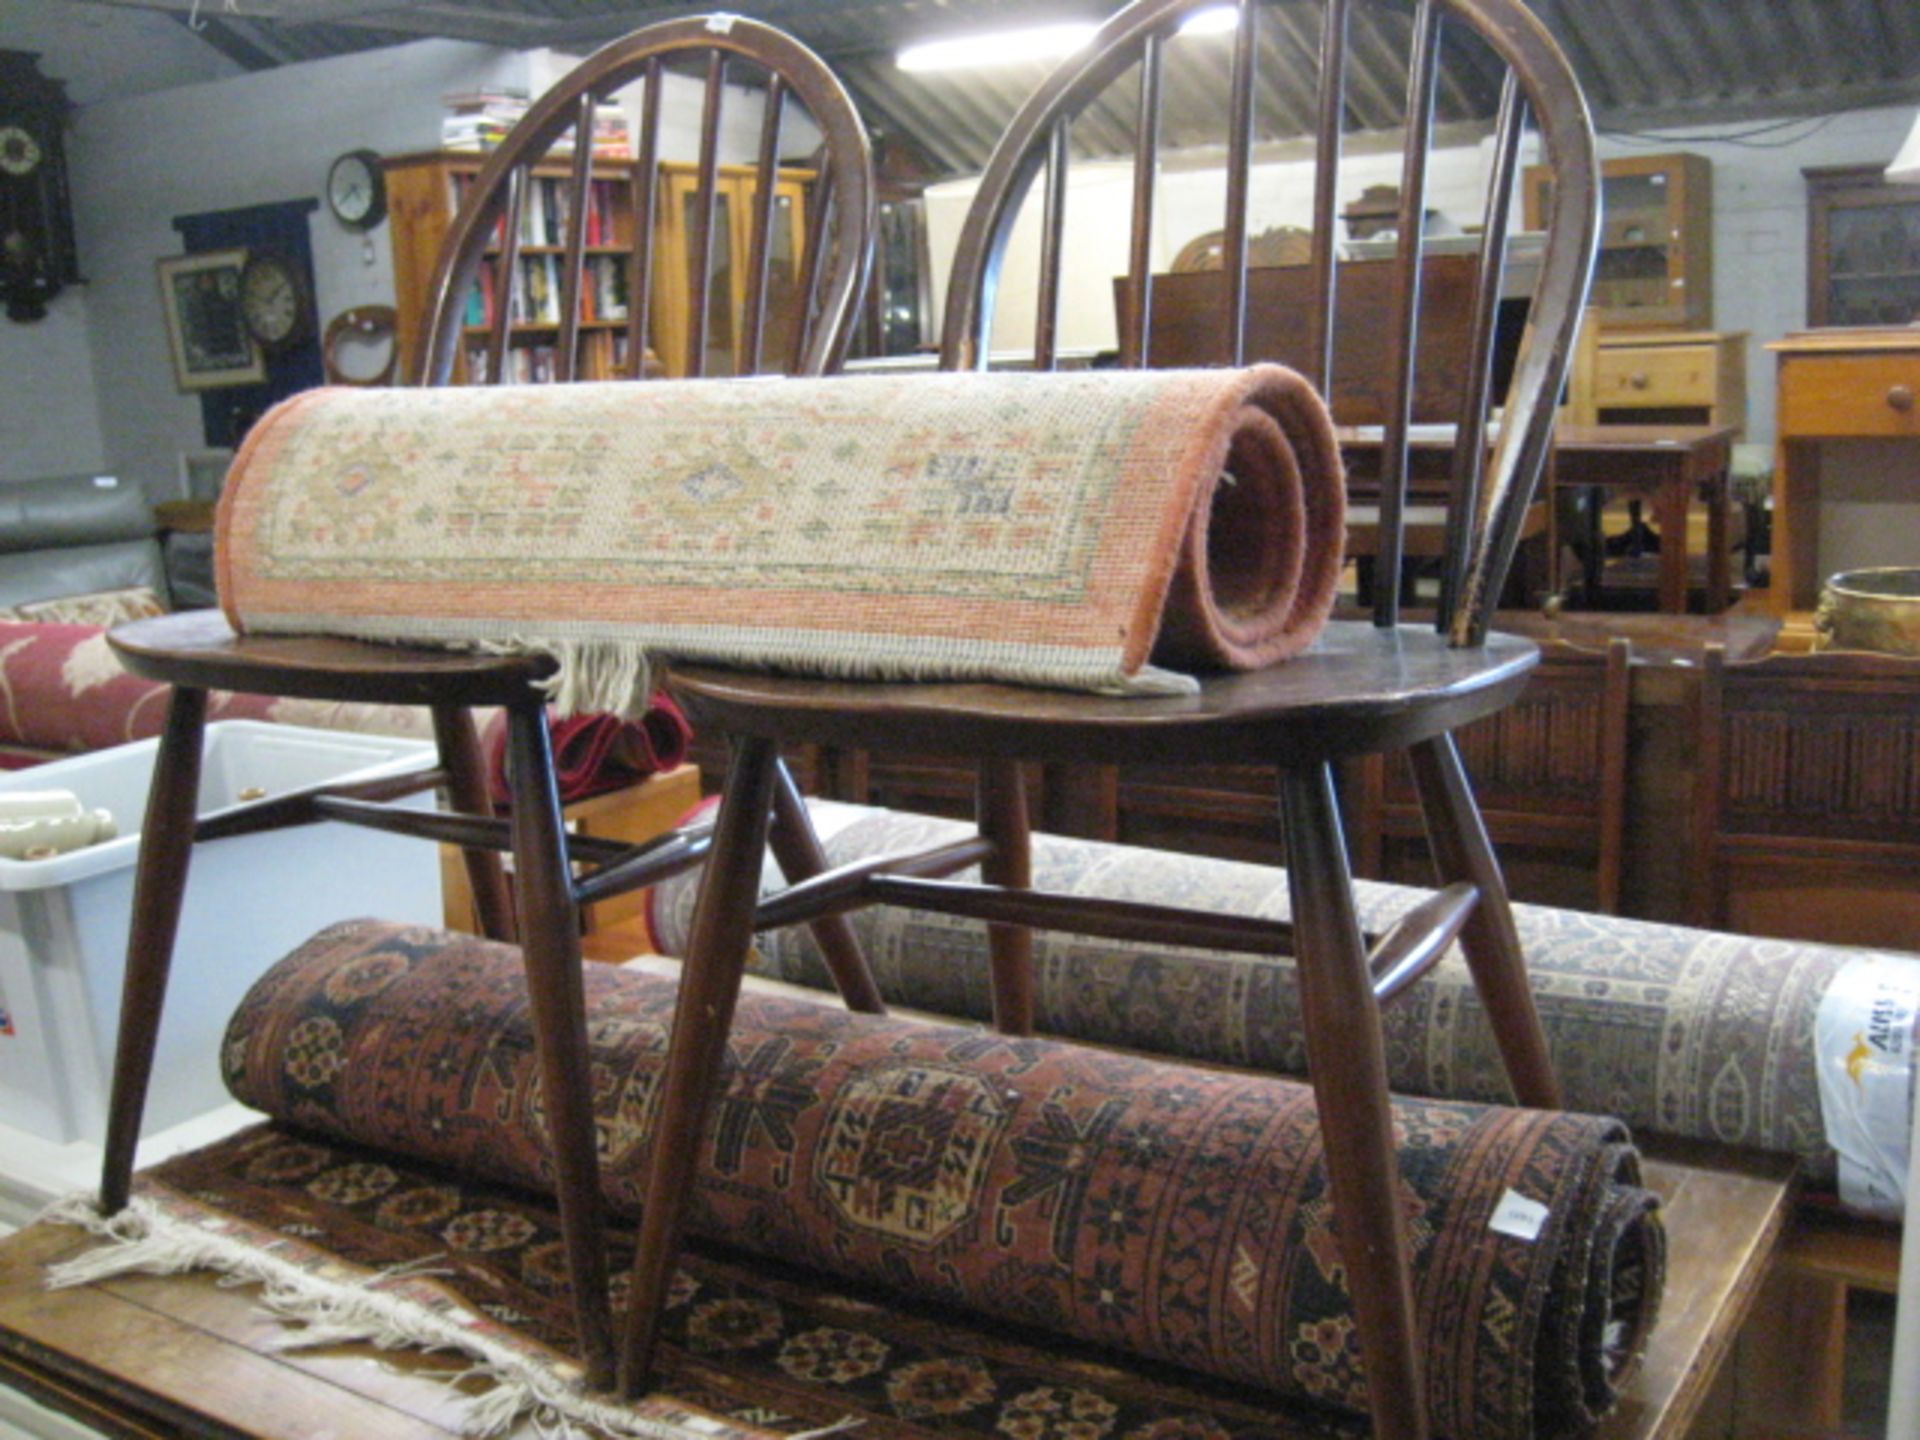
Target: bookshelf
<point>423,193</point>
<point>425,190</point>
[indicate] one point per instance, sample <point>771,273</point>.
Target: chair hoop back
<point>1485,519</point>
<point>844,209</point>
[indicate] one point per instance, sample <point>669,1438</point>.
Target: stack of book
<point>479,119</point>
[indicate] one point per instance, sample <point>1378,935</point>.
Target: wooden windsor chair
<point>197,652</point>
<point>1365,687</point>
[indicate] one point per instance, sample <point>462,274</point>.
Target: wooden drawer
<point>1850,395</point>
<point>1646,376</point>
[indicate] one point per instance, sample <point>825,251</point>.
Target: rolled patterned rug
<point>1046,529</point>
<point>1773,1044</point>
<point>1171,1212</point>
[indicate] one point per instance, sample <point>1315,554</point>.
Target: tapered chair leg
<point>467,792</point>
<point>1002,810</point>
<point>796,848</point>
<point>550,943</point>
<point>716,958</point>
<point>1461,851</point>
<point>159,886</point>
<point>1347,1062</point>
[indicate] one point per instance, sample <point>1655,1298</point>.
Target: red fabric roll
<point>596,753</point>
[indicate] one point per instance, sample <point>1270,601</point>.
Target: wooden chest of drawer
<point>1683,377</point>
<point>1851,395</point>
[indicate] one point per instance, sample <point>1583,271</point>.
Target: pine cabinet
<point>673,278</point>
<point>1655,266</point>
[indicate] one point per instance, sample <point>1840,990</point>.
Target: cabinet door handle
<point>1638,380</point>
<point>1900,397</point>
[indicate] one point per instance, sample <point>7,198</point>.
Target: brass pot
<point>1877,610</point>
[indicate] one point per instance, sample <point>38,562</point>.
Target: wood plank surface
<point>150,1355</point>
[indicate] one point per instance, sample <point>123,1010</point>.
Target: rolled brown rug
<point>1046,529</point>
<point>1175,1213</point>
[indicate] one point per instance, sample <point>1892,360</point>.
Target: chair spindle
<point>1146,164</point>
<point>1423,65</point>
<point>760,249</point>
<point>566,363</point>
<point>646,193</point>
<point>1326,185</point>
<point>506,275</point>
<point>1053,217</point>
<point>1233,259</point>
<point>705,203</point>
<point>1470,449</point>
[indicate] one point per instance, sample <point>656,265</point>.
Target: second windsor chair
<point>1364,688</point>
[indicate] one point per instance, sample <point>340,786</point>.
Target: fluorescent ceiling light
<point>1214,20</point>
<point>1044,42</point>
<point>1905,169</point>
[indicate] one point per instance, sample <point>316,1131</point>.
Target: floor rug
<point>364,1245</point>
<point>1679,1032</point>
<point>1168,1212</point>
<point>1047,529</point>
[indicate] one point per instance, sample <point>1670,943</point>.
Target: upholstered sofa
<point>75,535</point>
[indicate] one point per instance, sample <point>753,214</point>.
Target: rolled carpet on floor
<point>1172,1212</point>
<point>1772,1044</point>
<point>1045,529</point>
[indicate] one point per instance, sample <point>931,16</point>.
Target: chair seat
<point>1360,688</point>
<point>198,649</point>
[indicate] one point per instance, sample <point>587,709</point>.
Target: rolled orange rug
<point>1080,530</point>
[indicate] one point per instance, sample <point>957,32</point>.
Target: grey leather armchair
<point>74,534</point>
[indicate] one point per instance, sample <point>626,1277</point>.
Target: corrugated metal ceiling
<point>1643,63</point>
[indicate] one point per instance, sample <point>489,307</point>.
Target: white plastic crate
<point>250,900</point>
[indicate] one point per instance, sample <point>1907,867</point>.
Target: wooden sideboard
<point>1834,385</point>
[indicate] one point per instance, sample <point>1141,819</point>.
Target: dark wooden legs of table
<point>550,948</point>
<point>716,958</point>
<point>159,884</point>
<point>1346,1059</point>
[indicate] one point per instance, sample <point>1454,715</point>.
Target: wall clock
<point>275,301</point>
<point>357,190</point>
<point>37,254</point>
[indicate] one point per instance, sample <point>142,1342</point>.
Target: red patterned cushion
<point>63,689</point>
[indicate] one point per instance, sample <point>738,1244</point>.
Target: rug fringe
<point>592,676</point>
<point>146,1239</point>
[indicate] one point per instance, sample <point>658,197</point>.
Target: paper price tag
<point>1518,1216</point>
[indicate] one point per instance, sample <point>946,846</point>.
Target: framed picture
<point>206,328</point>
<point>203,472</point>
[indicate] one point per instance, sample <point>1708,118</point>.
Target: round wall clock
<point>275,301</point>
<point>357,190</point>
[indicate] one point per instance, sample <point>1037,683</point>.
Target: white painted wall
<point>246,140</point>
<point>49,418</point>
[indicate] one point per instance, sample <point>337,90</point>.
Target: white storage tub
<point>63,920</point>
